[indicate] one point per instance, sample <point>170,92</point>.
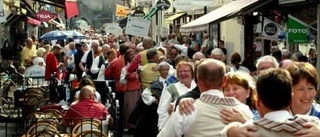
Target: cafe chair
<point>84,126</point>
<point>53,114</point>
<point>48,133</point>
<point>40,127</point>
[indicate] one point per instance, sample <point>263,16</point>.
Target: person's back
<point>37,74</point>
<point>147,74</point>
<point>270,128</point>
<point>86,107</point>
<point>208,122</point>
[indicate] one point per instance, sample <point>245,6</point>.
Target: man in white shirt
<point>205,120</point>
<point>99,63</point>
<point>273,104</point>
<point>88,57</point>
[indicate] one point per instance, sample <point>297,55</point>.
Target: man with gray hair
<point>266,62</point>
<point>99,64</point>
<point>88,57</point>
<point>217,54</point>
<point>286,54</point>
<point>198,56</point>
<point>147,72</point>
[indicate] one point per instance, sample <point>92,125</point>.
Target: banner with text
<point>270,29</point>
<point>137,27</point>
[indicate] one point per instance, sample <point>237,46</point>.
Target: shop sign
<point>163,4</point>
<point>270,29</point>
<point>297,31</point>
<point>45,16</point>
<point>138,13</point>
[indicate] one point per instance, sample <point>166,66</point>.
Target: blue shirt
<point>315,110</point>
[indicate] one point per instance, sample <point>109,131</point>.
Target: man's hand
<point>186,106</point>
<point>245,131</point>
<point>309,130</point>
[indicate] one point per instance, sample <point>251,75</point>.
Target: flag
<point>121,11</point>
<point>298,31</point>
<point>270,29</point>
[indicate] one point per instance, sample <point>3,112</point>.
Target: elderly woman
<point>304,87</point>
<point>39,60</point>
<point>186,83</point>
<point>241,86</point>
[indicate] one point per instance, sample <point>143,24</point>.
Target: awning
<point>11,18</point>
<point>71,8</point>
<point>230,10</point>
<point>173,17</point>
<point>33,21</point>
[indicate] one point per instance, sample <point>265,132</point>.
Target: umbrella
<point>54,35</point>
<point>75,34</point>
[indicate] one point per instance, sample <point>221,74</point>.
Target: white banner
<point>137,27</point>
<point>270,29</point>
<point>2,16</point>
<point>113,28</point>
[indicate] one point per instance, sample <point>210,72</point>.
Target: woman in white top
<point>185,75</point>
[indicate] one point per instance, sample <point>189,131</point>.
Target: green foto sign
<point>297,32</point>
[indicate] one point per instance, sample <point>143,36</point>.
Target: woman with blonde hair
<point>185,75</point>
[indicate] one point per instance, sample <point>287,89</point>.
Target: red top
<point>85,109</point>
<point>51,66</point>
<point>134,64</point>
<point>114,71</point>
<point>133,83</point>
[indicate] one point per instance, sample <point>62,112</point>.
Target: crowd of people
<point>171,89</point>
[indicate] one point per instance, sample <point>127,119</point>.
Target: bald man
<point>28,53</point>
<point>85,108</point>
<point>141,57</point>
